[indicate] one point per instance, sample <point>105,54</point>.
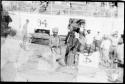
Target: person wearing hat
<point>54,39</point>
<point>89,41</point>
<point>72,47</point>
<point>54,44</point>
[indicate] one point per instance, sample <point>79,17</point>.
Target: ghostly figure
<point>24,33</point>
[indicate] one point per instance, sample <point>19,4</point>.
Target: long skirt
<point>67,52</point>
<point>71,59</point>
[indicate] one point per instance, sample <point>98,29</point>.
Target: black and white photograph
<point>62,41</point>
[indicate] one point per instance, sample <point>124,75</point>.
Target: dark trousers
<point>67,52</point>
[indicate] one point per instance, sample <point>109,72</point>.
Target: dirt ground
<point>35,64</point>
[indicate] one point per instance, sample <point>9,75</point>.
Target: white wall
<point>105,25</point>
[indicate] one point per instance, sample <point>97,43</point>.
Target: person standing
<point>120,50</point>
<point>55,45</point>
<point>54,39</point>
<point>82,40</point>
<point>72,47</point>
<point>105,48</point>
<point>97,41</point>
<point>89,41</point>
<point>5,20</point>
<point>6,17</point>
<point>113,49</point>
<point>24,33</point>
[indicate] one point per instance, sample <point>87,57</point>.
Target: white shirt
<point>98,37</point>
<point>114,41</point>
<point>76,35</point>
<point>106,44</point>
<point>54,41</point>
<point>89,39</point>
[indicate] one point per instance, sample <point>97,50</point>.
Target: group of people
<point>110,47</point>
<point>112,56</point>
<point>82,40</point>
<point>79,39</point>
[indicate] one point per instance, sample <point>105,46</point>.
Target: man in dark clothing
<point>72,47</point>
<point>69,42</point>
<point>6,19</point>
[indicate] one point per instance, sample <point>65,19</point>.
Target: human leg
<point>66,54</point>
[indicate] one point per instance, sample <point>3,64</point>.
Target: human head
<point>89,31</point>
<point>27,20</point>
<point>115,34</point>
<point>71,28</point>
<point>55,31</point>
<point>82,25</point>
<point>121,41</point>
<point>98,32</point>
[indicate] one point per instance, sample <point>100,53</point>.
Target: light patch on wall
<point>104,25</point>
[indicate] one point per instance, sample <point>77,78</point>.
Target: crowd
<point>79,39</point>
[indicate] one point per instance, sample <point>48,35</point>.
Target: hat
<point>80,22</point>
<point>55,30</point>
<point>115,33</point>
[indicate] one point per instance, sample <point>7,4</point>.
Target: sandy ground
<point>36,65</point>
